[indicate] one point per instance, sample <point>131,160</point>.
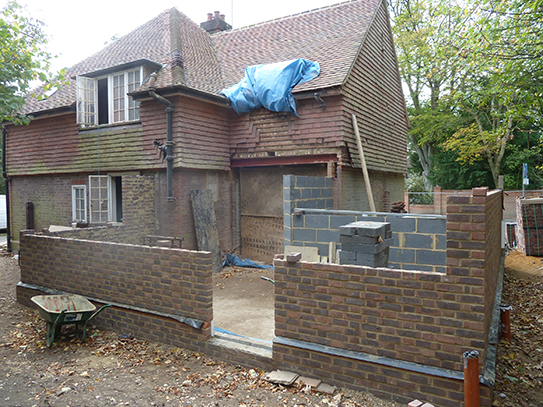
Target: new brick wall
<point>135,278</point>
<point>397,333</point>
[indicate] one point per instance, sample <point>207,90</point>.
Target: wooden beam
<point>363,163</point>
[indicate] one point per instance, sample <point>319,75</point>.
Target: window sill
<point>133,123</point>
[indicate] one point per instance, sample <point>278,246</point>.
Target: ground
<point>113,370</point>
<point>109,370</point>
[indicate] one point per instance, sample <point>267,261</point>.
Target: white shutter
<point>87,101</point>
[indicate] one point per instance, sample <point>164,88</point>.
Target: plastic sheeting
<point>271,85</point>
<point>233,260</point>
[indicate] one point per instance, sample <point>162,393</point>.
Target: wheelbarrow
<point>58,310</point>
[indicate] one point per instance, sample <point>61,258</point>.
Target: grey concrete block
<point>323,249</point>
<point>403,224</point>
<point>307,204</point>
<point>327,192</point>
<point>316,192</point>
<point>321,181</point>
<point>327,235</point>
<point>301,181</point>
<point>388,233</point>
<point>317,221</point>
<point>329,182</point>
<point>329,203</point>
<point>304,235</point>
<point>441,242</point>
<point>402,255</point>
<point>307,193</point>
<point>340,220</point>
<point>369,257</point>
<point>418,241</point>
<point>288,194</point>
<point>312,182</point>
<point>287,220</point>
<point>297,193</point>
<point>431,257</point>
<point>288,206</point>
<point>289,181</point>
<point>357,239</point>
<point>441,269</point>
<point>432,225</point>
<point>361,218</point>
<point>321,203</point>
<point>367,248</point>
<point>417,267</point>
<point>298,221</point>
<point>346,257</point>
<point>287,233</point>
<point>363,229</point>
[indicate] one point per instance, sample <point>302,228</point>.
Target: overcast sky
<point>78,29</point>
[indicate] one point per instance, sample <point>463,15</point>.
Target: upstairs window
<point>105,100</point>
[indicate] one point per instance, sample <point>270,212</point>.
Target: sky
<point>77,29</point>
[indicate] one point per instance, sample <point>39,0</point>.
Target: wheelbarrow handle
<point>91,317</point>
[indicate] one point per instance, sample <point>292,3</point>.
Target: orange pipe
<point>471,379</point>
<point>505,321</point>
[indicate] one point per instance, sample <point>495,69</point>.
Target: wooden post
<point>363,162</point>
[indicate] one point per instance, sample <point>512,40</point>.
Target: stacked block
<point>530,226</point>
<point>365,243</point>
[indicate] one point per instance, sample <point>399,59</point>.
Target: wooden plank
<point>364,168</point>
<point>205,224</point>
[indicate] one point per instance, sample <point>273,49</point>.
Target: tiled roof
<point>210,63</point>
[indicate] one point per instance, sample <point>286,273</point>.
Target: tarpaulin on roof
<point>271,85</point>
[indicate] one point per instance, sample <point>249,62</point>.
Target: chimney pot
<point>223,17</point>
<point>209,16</point>
<point>217,15</point>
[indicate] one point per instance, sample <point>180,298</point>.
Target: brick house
<point>90,153</point>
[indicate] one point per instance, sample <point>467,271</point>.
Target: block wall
<point>419,241</point>
<point>142,282</point>
<point>530,226</point>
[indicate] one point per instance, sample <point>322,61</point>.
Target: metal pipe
<point>5,175</point>
<point>169,136</point>
<point>471,379</point>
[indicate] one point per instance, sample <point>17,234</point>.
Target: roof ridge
<point>285,17</point>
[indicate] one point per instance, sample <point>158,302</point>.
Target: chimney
<point>215,23</point>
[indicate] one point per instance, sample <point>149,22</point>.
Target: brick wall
<point>530,226</point>
<point>419,241</point>
<point>143,282</point>
<point>396,333</point>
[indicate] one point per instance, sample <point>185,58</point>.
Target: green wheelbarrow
<point>58,310</point>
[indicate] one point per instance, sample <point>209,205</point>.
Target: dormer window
<point>104,99</point>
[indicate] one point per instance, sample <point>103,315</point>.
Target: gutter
<point>5,175</point>
<point>169,136</point>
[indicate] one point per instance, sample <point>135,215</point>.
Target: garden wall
<point>419,240</point>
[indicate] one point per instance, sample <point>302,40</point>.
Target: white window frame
<point>87,98</point>
<point>107,198</point>
<point>75,199</point>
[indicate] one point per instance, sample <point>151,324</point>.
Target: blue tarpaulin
<point>233,260</point>
<point>271,85</point>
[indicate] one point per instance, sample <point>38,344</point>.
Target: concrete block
<point>301,181</point>
<point>418,241</point>
<point>298,221</point>
<point>346,257</point>
<point>329,182</point>
<point>415,403</point>
<point>364,229</point>
<point>417,267</point>
<point>316,192</point>
<point>440,242</point>
<point>321,203</point>
<point>329,203</point>
<point>366,248</point>
<point>307,204</point>
<point>431,257</point>
<point>307,381</point>
<point>288,194</point>
<point>310,254</point>
<point>340,220</point>
<point>281,377</point>
<point>356,239</point>
<point>317,221</point>
<point>327,235</point>
<point>304,235</point>
<point>432,225</point>
<point>307,193</point>
<point>327,193</point>
<point>288,206</point>
<point>402,255</point>
<point>388,233</point>
<point>362,218</point>
<point>312,182</point>
<point>403,224</point>
<point>323,249</point>
<point>287,220</point>
<point>289,181</point>
<point>326,388</point>
<point>294,257</point>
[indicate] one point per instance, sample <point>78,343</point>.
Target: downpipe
<point>5,175</point>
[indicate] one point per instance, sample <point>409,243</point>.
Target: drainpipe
<point>5,175</point>
<point>169,137</point>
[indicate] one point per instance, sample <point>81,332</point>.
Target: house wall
<point>315,131</point>
<point>373,93</point>
<point>386,187</point>
<point>52,200</point>
<point>419,241</point>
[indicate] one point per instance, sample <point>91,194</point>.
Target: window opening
<point>79,203</point>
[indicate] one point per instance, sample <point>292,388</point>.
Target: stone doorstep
<point>289,378</point>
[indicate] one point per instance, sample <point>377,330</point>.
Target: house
<point>98,150</point>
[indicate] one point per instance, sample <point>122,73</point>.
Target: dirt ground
<point>110,370</point>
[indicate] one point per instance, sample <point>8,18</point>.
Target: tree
<point>499,61</point>
<point>422,30</point>
<point>24,60</point>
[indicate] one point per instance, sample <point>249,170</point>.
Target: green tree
<point>24,60</point>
